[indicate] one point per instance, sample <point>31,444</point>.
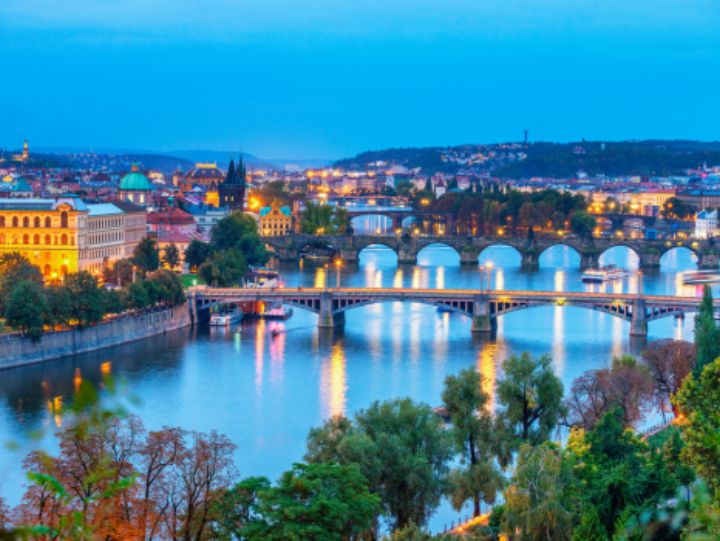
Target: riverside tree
<point>146,255</point>
<point>670,362</point>
<point>472,428</point>
<point>707,335</point>
<point>26,308</point>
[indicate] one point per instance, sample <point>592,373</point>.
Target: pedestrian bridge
<point>483,306</point>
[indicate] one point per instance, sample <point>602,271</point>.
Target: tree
<point>582,224</point>
<point>539,502</point>
<point>170,287</point>
<point>400,448</point>
<point>324,220</point>
<point>312,502</point>
<point>197,253</point>
<point>26,308</point>
<point>136,297</point>
<point>15,268</point>
<point>678,209</point>
<point>171,256</point>
<point>590,527</point>
<point>472,428</point>
<point>627,385</point>
<point>87,306</point>
<point>707,335</point>
<point>59,305</point>
<point>530,395</point>
<point>120,274</point>
<point>146,255</point>
<point>670,362</point>
<point>224,268</point>
<point>698,401</point>
<point>239,231</point>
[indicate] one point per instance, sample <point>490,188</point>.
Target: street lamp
<point>639,282</point>
<point>326,266</point>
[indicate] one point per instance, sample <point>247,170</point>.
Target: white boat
<point>701,277</point>
<point>605,273</point>
<point>226,318</point>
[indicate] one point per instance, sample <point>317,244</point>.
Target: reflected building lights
<point>398,279</point>
<point>333,382</point>
<point>416,278</point>
<point>259,355</point>
<point>77,379</point>
<point>500,279</point>
<point>440,278</point>
<point>558,340</point>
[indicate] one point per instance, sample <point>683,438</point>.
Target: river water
<point>265,392</point>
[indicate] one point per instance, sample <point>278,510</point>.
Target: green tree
<point>87,297</point>
<point>400,448</point>
<point>171,288</point>
<point>146,255</point>
<point>239,231</point>
<point>225,268</point>
<point>171,256</point>
<point>698,401</point>
<point>59,305</point>
<point>530,395</point>
<point>707,335</point>
<point>582,224</point>
<point>26,308</point>
<point>539,503</point>
<point>15,268</point>
<point>472,429</point>
<point>313,502</point>
<point>137,297</point>
<point>197,253</point>
<point>325,220</point>
<point>120,274</point>
<point>590,528</point>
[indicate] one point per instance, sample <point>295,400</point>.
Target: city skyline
<point>318,80</point>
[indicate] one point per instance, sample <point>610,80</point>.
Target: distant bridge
<point>484,307</point>
<point>407,247</point>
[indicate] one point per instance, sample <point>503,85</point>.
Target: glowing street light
<point>338,266</point>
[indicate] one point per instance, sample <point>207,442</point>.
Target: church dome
<point>205,173</point>
<point>135,181</point>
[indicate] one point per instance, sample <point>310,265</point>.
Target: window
<point>26,239</point>
<point>36,222</point>
<point>48,222</point>
<point>2,221</point>
<point>36,239</point>
<point>15,221</point>
<point>63,219</point>
<point>63,239</point>
<point>48,240</point>
<point>26,222</point>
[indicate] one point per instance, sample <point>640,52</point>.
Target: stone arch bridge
<point>484,307</point>
<point>348,247</point>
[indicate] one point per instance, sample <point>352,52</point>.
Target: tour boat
<point>701,277</point>
<point>259,277</point>
<point>276,311</point>
<point>605,273</point>
<point>225,318</point>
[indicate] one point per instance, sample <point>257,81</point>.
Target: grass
<point>188,279</point>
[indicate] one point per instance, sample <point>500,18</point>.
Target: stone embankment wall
<point>16,350</point>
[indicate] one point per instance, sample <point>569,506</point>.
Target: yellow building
<point>275,221</point>
<point>65,235</point>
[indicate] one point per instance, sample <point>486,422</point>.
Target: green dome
<point>135,181</point>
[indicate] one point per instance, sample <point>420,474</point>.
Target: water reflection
<point>333,384</point>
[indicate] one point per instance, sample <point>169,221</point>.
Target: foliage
<point>590,528</point>
<point>472,429</point>
<point>582,224</point>
<point>324,219</point>
<point>539,502</point>
<point>26,308</point>
<point>146,255</point>
<point>87,305</point>
<point>627,384</point>
<point>59,305</point>
<point>530,395</point>
<point>400,448</point>
<point>197,253</point>
<point>707,334</point>
<point>171,256</point>
<point>224,268</point>
<point>15,268</point>
<point>121,273</point>
<point>678,209</point>
<point>310,502</point>
<point>698,401</point>
<point>670,362</point>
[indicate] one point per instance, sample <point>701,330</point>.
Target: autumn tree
<point>472,429</point>
<point>670,362</point>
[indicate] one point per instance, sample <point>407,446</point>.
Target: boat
<point>605,273</point>
<point>226,317</point>
<point>701,277</point>
<point>276,311</point>
<point>262,278</point>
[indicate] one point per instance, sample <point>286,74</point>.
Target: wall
<point>16,350</point>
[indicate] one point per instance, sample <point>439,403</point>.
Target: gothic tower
<point>232,189</point>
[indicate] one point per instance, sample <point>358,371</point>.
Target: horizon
<point>317,78</point>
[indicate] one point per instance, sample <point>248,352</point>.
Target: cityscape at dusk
<point>330,271</point>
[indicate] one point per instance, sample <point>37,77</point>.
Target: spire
<point>231,173</point>
<point>241,171</point>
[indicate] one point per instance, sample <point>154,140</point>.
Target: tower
<point>26,151</point>
<point>232,189</point>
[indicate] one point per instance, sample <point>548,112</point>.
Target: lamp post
<point>639,282</point>
<point>326,267</point>
<point>338,266</point>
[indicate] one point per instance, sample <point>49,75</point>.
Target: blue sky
<point>330,78</point>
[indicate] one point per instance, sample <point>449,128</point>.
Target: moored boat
<point>605,273</point>
<point>226,317</point>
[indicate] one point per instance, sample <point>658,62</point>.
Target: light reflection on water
<point>266,389</point>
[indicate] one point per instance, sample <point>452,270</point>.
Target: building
<point>275,221</point>
<point>171,220</point>
<point>700,199</point>
<point>206,216</point>
<point>208,175</point>
<point>65,234</point>
<point>706,224</point>
<point>25,156</point>
<point>135,225</point>
<point>135,188</point>
<point>233,189</point>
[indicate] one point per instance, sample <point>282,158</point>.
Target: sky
<point>330,78</point>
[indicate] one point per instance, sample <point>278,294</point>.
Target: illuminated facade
<point>64,235</point>
<point>275,221</point>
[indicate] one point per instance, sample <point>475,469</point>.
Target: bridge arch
<point>572,256</point>
<point>493,251</point>
<point>613,254</point>
<point>363,250</point>
<point>436,244</point>
<point>678,256</point>
<point>318,247</point>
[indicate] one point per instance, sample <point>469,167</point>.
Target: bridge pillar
<point>327,318</point>
<point>530,260</point>
<point>349,255</point>
<point>407,255</point>
<point>638,323</point>
<point>708,260</point>
<point>482,321</point>
<point>469,255</point>
<point>649,259</point>
<point>589,260</point>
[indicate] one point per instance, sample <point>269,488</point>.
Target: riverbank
<point>16,350</point>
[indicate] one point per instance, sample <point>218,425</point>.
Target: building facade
<point>706,224</point>
<point>275,221</point>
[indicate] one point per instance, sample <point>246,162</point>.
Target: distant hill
<point>560,160</point>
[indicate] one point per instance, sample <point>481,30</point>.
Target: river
<point>265,392</point>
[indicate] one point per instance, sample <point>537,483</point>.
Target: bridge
<point>484,307</point>
<point>407,247</point>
